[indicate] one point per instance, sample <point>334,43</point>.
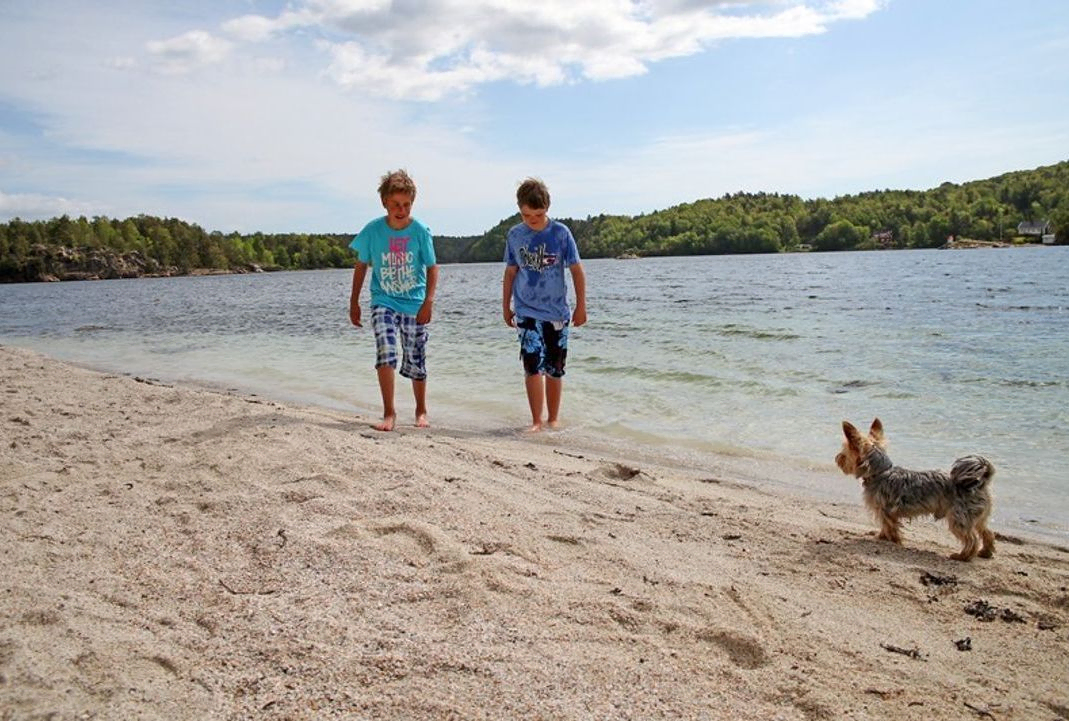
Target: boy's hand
<point>510,318</point>
<point>354,314</point>
<point>579,316</point>
<point>423,317</point>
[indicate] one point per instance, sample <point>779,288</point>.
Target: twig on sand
<point>911,652</point>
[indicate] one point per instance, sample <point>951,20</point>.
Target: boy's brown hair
<point>397,181</point>
<point>533,193</point>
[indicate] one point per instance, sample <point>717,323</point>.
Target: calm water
<point>744,365</point>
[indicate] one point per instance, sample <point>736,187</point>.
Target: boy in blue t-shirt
<point>399,250</point>
<point>535,298</point>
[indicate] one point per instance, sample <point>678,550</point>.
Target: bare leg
<point>419,390</point>
<point>535,397</point>
<point>389,413</point>
<point>554,390</point>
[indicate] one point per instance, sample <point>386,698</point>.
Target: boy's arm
<point>359,273</point>
<point>425,311</point>
<point>506,294</point>
<point>579,281</point>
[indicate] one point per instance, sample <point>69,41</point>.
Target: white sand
<point>174,553</point>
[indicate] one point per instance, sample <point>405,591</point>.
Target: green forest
<point>991,210</point>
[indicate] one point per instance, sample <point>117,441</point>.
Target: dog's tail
<point>971,473</point>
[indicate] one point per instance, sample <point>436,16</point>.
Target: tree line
<point>985,210</point>
<point>167,245</point>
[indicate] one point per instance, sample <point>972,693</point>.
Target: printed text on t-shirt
<point>397,273</point>
<point>537,259</point>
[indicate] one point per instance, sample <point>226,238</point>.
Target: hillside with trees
<point>988,210</point>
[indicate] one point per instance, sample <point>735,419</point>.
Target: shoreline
<point>176,553</point>
<point>809,479</point>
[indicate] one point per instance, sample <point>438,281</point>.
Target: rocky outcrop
<point>51,263</point>
<point>56,263</point>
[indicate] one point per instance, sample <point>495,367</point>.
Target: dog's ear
<point>876,431</point>
<point>853,435</point>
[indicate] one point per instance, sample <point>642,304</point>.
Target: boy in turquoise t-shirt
<point>399,250</point>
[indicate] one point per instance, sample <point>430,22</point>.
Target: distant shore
<point>963,243</point>
<point>79,264</point>
<point>176,553</point>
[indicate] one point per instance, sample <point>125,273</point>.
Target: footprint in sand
<point>421,544</point>
<point>617,472</point>
<point>743,651</point>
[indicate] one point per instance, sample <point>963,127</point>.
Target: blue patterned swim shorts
<point>543,346</point>
<point>390,326</point>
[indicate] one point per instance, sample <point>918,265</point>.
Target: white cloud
<point>375,47</point>
<point>30,206</point>
<point>854,9</point>
<point>251,28</point>
<point>188,52</point>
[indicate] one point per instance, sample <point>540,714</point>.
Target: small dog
<point>894,493</point>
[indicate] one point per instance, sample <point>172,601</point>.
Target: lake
<point>741,365</point>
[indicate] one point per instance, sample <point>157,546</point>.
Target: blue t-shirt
<point>540,290</point>
<point>399,260</point>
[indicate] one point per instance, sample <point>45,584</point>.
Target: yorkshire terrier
<point>963,496</point>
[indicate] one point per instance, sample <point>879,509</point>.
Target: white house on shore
<point>1041,229</point>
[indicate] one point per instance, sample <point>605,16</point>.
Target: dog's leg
<point>889,528</point>
<point>968,537</point>
<point>966,553</point>
<point>989,542</point>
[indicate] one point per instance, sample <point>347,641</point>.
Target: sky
<point>280,117</point>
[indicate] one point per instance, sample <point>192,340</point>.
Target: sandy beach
<point>180,553</point>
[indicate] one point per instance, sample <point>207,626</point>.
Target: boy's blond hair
<point>533,193</point>
<point>397,181</point>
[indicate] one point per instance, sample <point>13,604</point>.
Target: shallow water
<point>745,365</point>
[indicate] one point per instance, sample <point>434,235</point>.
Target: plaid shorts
<point>543,346</point>
<point>389,325</point>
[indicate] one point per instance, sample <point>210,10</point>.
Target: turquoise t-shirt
<point>399,260</point>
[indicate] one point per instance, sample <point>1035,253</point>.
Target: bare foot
<point>386,424</point>
<point>535,428</point>
<point>422,421</point>
<point>553,424</point>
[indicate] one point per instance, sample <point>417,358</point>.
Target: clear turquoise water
<point>742,365</point>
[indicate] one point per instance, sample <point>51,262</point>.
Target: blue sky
<point>242,115</point>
